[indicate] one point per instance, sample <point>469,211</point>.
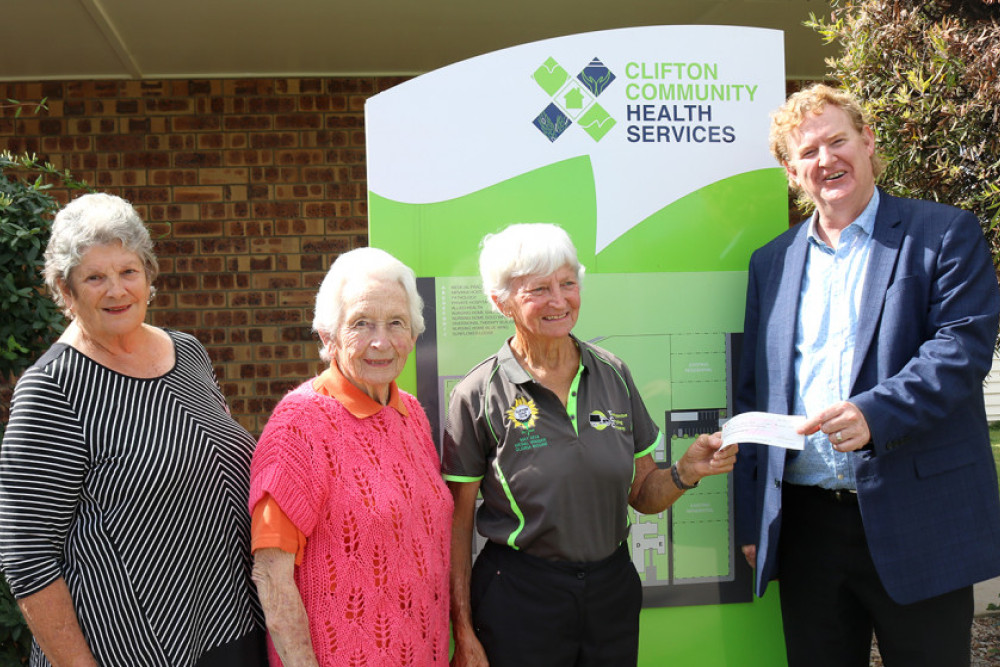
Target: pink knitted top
<point>368,495</point>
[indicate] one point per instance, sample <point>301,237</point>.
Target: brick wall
<point>250,187</point>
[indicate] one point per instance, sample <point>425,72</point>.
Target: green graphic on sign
<point>551,77</point>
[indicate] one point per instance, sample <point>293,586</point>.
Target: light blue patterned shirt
<point>829,304</point>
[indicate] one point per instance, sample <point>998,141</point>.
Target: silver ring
<point>840,436</point>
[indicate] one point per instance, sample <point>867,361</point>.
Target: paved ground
<point>987,592</point>
<point>985,628</point>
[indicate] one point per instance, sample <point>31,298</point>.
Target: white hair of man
<point>524,249</point>
<point>362,264</point>
<point>94,219</point>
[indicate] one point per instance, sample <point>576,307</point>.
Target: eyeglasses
<point>368,328</point>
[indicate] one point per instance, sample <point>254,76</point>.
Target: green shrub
<point>29,320</point>
<point>926,71</point>
<point>15,640</point>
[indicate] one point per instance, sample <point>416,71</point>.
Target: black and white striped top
<point>134,491</point>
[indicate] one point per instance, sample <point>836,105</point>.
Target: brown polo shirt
<point>555,479</point>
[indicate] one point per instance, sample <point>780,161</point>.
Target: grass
<point>995,441</point>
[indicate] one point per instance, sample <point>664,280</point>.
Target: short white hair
<point>524,249</point>
<point>361,264</point>
<point>95,219</point>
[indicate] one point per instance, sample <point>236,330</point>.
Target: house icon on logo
<point>573,99</point>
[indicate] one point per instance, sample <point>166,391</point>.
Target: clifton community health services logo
<point>573,99</point>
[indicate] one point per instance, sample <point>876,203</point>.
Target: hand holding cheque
<point>843,422</point>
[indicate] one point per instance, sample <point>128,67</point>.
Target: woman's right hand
<point>469,653</point>
<point>284,612</point>
<point>52,620</point>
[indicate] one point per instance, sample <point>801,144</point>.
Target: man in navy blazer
<point>875,319</point>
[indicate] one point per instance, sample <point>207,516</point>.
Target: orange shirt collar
<point>332,383</point>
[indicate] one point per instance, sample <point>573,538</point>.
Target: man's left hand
<point>844,425</point>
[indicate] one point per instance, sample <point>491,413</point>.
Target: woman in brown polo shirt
<point>553,433</point>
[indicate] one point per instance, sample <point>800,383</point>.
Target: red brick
<point>227,318</point>
<point>224,246</point>
<point>199,159</point>
<point>127,106</point>
<point>168,105</point>
<point>299,157</point>
<point>248,157</point>
<point>197,228</point>
<point>272,140</point>
<point>253,299</point>
<point>327,210</point>
<point>203,87</point>
<point>173,176</point>
<point>176,283</point>
<point>139,125</point>
<point>175,247</point>
<point>178,319</point>
<point>147,160</point>
<point>275,281</point>
<point>383,83</point>
<point>146,195</point>
<point>351,85</point>
<point>276,210</point>
<point>345,190</point>
<point>211,141</point>
<point>276,316</point>
<point>218,281</point>
<point>344,121</point>
<point>200,193</point>
<point>298,122</point>
<point>195,123</point>
<point>201,300</point>
<point>51,126</point>
<point>249,228</point>
<point>271,105</point>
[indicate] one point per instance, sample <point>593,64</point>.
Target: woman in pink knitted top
<point>351,519</point>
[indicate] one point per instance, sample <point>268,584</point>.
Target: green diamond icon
<point>596,122</point>
<point>550,76</point>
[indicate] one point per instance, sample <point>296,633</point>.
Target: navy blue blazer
<point>927,485</point>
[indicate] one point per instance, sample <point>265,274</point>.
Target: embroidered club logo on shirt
<point>523,413</point>
<point>600,421</point>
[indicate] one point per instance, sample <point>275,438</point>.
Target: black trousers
<point>531,612</point>
<point>832,599</point>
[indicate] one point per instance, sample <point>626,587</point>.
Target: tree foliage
<point>29,320</point>
<point>927,72</point>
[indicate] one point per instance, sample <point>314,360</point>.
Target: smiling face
<point>831,161</point>
<point>375,338</point>
<point>107,292</point>
<point>544,307</point>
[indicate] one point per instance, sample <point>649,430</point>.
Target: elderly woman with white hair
<point>122,474</point>
<point>553,433</point>
<point>351,519</point>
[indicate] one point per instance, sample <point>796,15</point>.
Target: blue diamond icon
<point>596,77</point>
<point>552,122</point>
